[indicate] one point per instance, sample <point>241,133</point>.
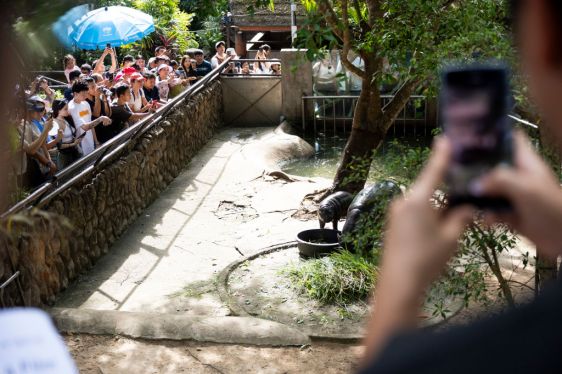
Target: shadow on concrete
<point>132,244</point>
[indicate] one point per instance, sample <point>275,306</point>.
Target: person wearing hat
<point>275,68</point>
<point>125,74</point>
<point>138,102</point>
<point>262,54</point>
<point>233,67</point>
<point>202,67</point>
<point>220,56</point>
<point>35,135</point>
<point>163,81</point>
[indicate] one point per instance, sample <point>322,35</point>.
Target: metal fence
<point>238,64</point>
<point>335,114</point>
<point>76,172</point>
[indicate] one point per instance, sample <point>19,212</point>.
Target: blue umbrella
<point>63,26</point>
<point>115,25</point>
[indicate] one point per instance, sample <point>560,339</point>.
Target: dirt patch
<point>308,209</point>
<point>109,355</point>
<point>239,211</point>
<point>260,288</point>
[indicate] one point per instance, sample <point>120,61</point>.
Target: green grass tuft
<point>340,278</point>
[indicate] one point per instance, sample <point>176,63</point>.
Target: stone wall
<point>53,246</point>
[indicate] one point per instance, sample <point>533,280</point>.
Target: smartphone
<point>82,135</point>
<point>108,45</point>
<point>474,104</point>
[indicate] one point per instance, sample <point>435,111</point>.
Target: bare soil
<point>109,355</point>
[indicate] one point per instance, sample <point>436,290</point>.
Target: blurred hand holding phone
<point>474,104</point>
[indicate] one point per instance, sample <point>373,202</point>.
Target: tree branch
<point>374,8</point>
<point>349,65</point>
<point>347,44</point>
<point>331,17</point>
<point>395,106</point>
<point>365,28</point>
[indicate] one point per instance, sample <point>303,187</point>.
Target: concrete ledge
<point>232,330</point>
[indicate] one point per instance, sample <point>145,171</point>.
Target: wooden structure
<point>263,27</point>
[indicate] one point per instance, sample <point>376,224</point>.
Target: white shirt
<point>136,101</point>
<point>81,114</point>
<point>216,60</point>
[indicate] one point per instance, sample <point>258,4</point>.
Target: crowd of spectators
<point>263,64</point>
<point>98,103</point>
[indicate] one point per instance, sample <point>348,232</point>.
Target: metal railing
<point>48,75</point>
<point>74,173</point>
<point>252,74</point>
<point>336,112</point>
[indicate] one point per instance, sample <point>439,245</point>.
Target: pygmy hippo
<point>332,208</point>
<point>366,200</point>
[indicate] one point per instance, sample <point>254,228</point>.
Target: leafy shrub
<point>400,161</point>
<point>339,278</point>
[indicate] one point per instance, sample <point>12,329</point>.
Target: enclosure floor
<point>216,210</point>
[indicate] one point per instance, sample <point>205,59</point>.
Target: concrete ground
<point>213,213</point>
<point>217,211</point>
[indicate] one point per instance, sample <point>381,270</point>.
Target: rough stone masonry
<point>52,246</point>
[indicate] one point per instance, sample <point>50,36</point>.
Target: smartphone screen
<point>473,109</point>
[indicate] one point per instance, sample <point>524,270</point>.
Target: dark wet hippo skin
<point>367,199</point>
<point>332,208</point>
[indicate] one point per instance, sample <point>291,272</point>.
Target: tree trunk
<point>367,133</point>
<point>356,160</point>
<point>370,124</point>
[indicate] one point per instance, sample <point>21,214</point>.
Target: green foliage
<point>401,162</point>
<point>339,278</point>
<point>415,37</point>
<point>466,274</point>
<point>482,245</point>
<point>203,10</point>
<point>210,34</point>
<point>397,161</point>
<point>171,23</point>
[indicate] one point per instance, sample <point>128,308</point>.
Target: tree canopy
<point>409,40</point>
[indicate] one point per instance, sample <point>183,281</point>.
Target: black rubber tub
<point>317,242</point>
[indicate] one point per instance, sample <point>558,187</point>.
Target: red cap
<point>129,70</point>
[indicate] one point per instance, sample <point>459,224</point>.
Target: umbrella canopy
<point>63,26</point>
<point>115,25</point>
